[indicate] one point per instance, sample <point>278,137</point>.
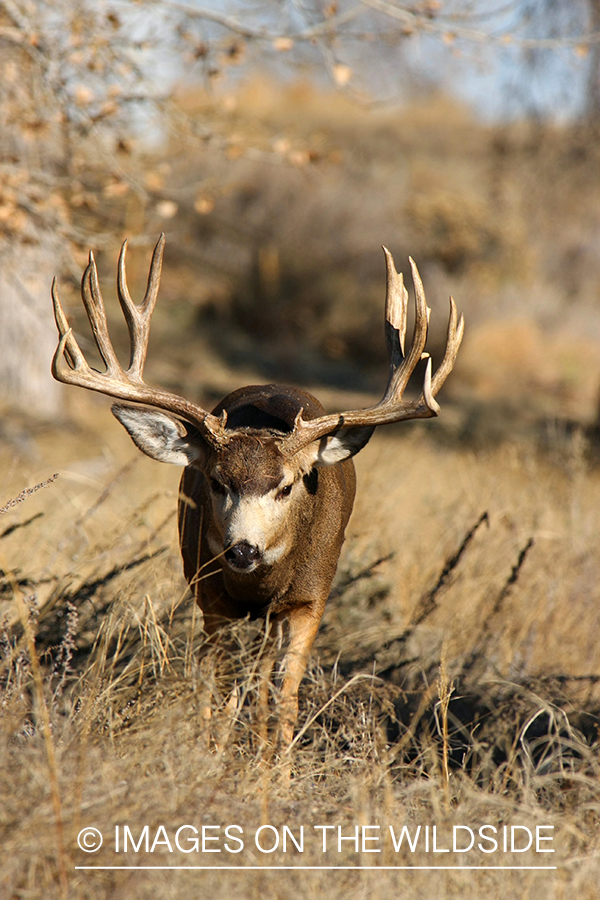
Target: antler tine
<point>396,303</point>
<point>68,355</point>
<point>399,377</point>
<point>456,330</point>
<point>138,317</point>
<point>94,307</point>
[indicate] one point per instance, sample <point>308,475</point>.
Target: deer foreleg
<point>271,646</point>
<point>303,627</point>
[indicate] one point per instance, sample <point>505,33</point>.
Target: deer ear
<point>159,435</point>
<point>337,447</point>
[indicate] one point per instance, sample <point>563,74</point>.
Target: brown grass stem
<point>26,493</point>
<point>445,690</point>
<point>345,687</point>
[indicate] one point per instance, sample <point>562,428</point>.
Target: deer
<point>268,481</point>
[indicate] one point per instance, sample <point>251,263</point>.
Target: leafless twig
<point>26,493</point>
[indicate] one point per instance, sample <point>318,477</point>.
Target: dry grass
<point>505,733</point>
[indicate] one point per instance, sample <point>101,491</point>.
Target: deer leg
<point>219,681</point>
<point>265,670</point>
<point>272,646</point>
<point>303,627</point>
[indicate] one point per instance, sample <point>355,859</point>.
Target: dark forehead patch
<point>250,465</point>
<point>269,406</point>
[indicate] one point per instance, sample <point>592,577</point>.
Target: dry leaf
<point>299,157</point>
<point>283,44</point>
<point>167,209</point>
<point>341,74</point>
<point>115,189</point>
<point>154,180</point>
<point>234,151</point>
<point>282,146</point>
<point>204,204</point>
<point>83,94</point>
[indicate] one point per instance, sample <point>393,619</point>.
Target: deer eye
<point>216,486</point>
<point>284,492</point>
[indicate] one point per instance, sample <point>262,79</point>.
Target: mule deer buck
<point>269,483</point>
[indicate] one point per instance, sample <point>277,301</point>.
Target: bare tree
<point>55,90</point>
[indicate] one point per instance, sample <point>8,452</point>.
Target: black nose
<point>243,555</point>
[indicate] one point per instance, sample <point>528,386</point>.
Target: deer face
<point>257,495</point>
<point>254,494</point>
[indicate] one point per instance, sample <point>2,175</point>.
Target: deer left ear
<point>337,447</point>
<point>159,435</point>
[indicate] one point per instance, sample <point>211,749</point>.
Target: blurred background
<point>279,145</point>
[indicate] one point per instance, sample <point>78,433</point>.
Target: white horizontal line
<point>322,868</point>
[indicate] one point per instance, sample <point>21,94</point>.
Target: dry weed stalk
<point>312,719</point>
<point>445,690</point>
<point>26,493</point>
<point>428,602</point>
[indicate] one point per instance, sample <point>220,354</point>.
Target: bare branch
<point>26,493</point>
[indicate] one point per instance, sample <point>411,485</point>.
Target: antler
<point>70,366</point>
<point>392,408</point>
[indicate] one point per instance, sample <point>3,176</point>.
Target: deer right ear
<point>159,435</point>
<point>334,448</point>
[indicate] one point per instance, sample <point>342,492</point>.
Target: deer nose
<point>243,555</point>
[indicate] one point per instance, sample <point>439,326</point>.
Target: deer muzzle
<point>243,557</point>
